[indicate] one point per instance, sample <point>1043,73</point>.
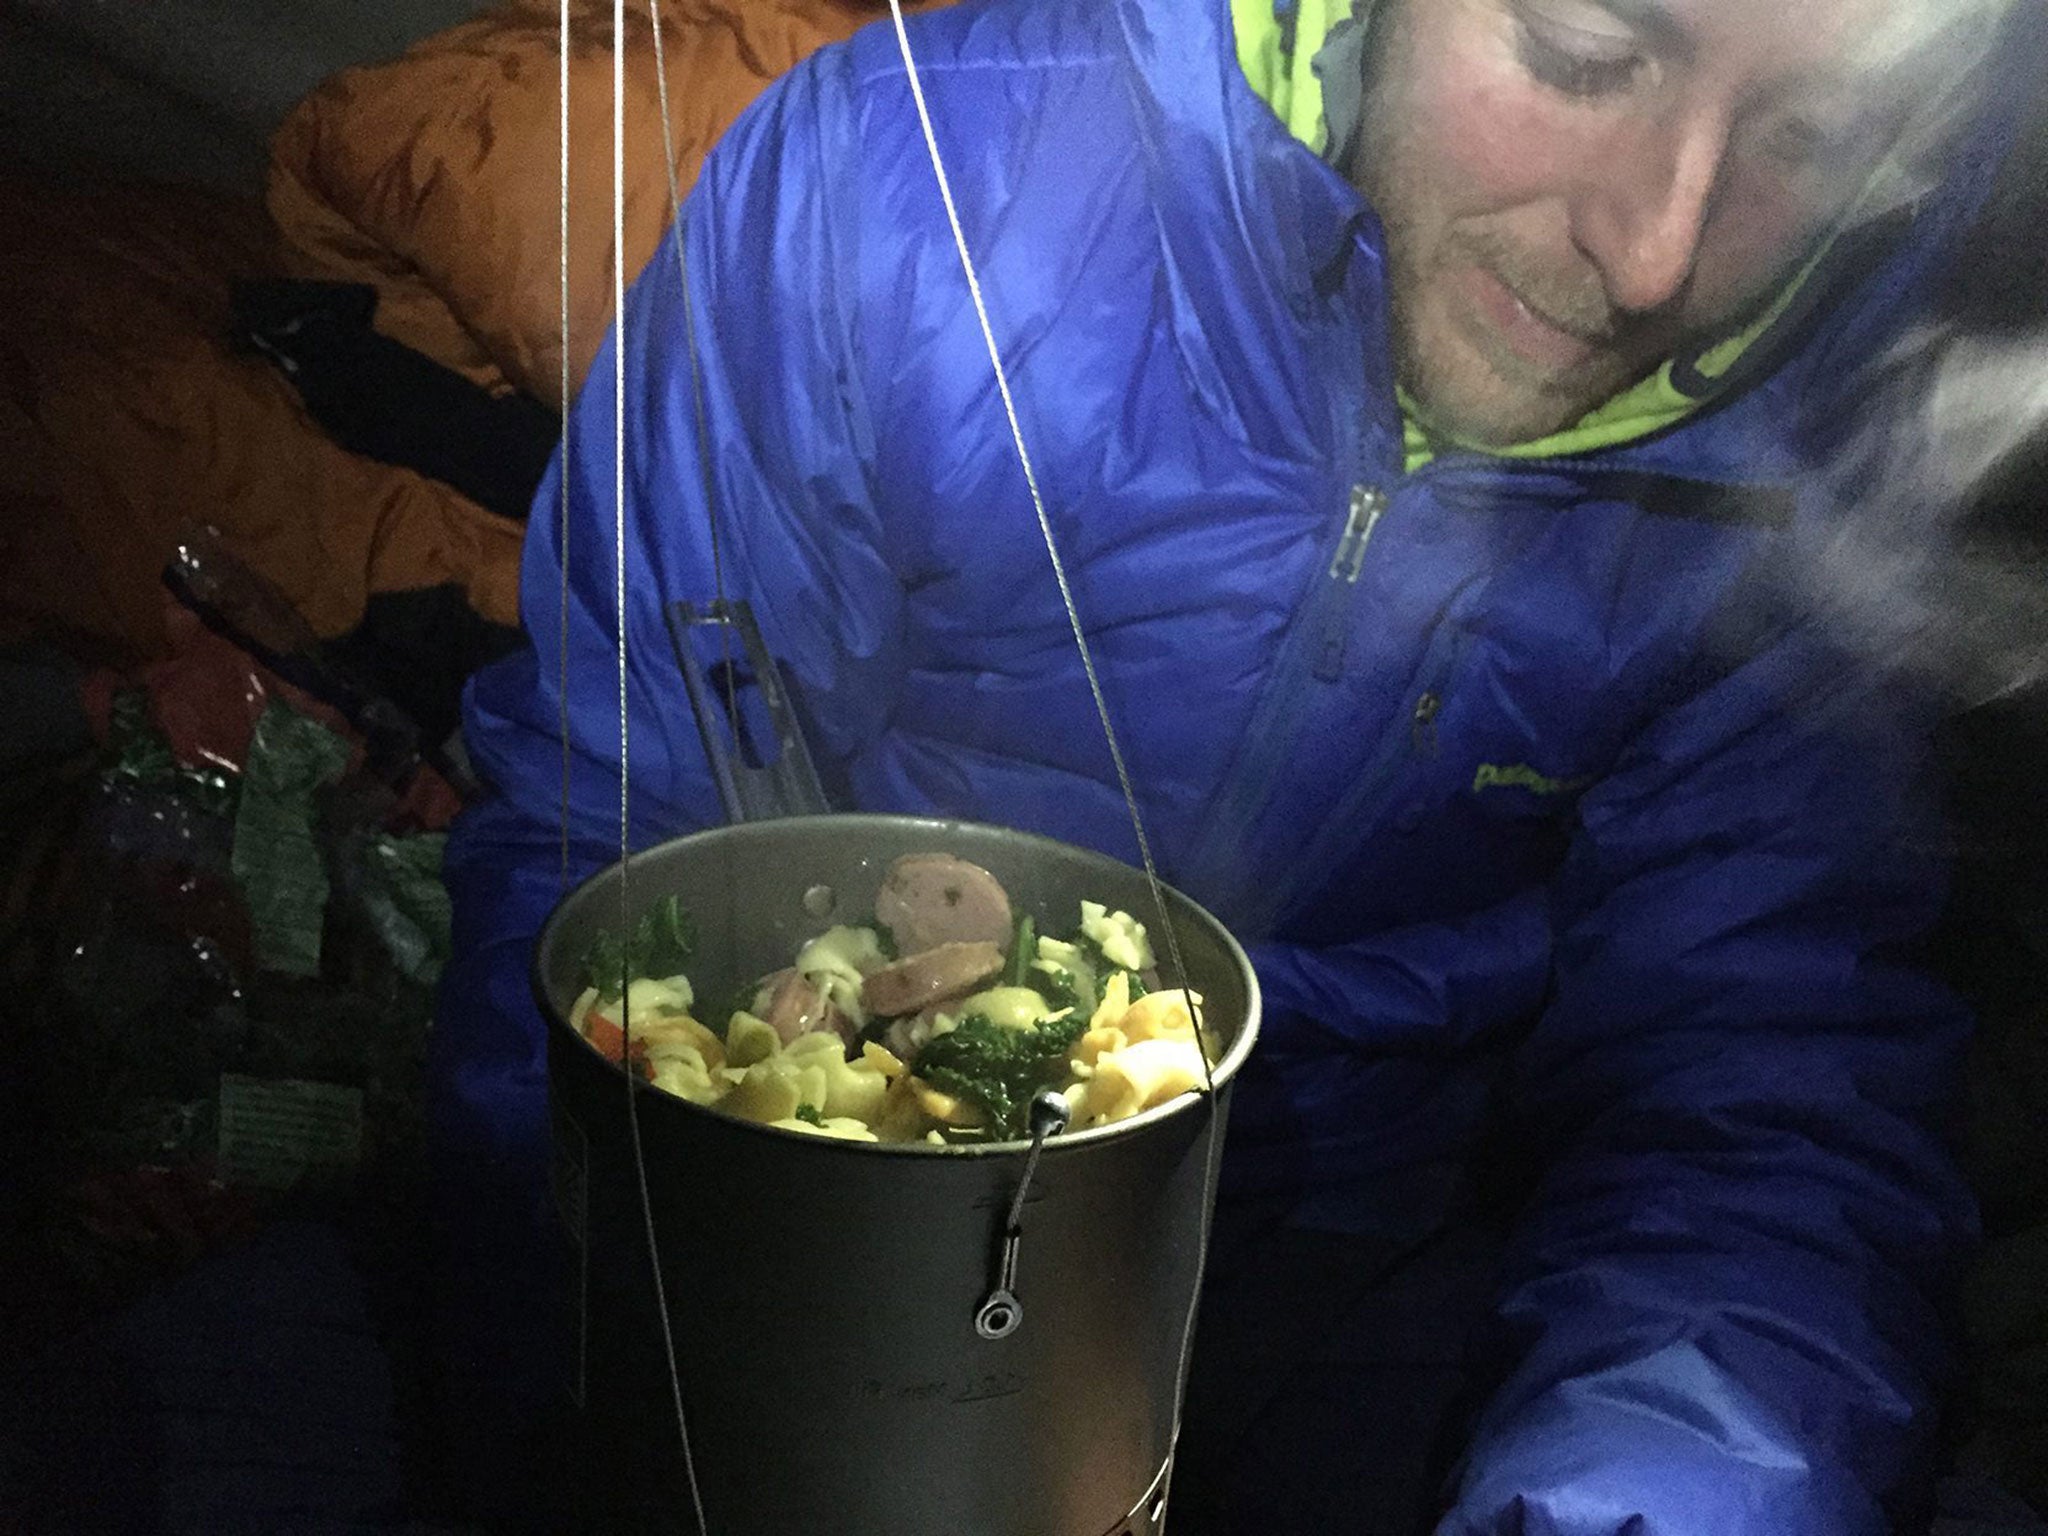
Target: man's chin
<point>1482,423</point>
<point>1496,407</point>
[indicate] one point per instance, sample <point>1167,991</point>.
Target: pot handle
<point>1000,1311</point>
<point>751,710</point>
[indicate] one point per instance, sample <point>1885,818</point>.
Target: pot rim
<point>1192,1102</point>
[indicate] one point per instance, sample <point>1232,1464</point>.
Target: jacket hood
<point>1217,73</point>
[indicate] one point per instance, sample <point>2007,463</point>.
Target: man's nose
<point>1643,212</point>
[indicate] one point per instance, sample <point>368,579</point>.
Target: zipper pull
<point>1422,724</point>
<point>1367,503</point>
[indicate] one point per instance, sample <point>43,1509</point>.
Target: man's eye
<point>1800,141</point>
<point>1578,74</point>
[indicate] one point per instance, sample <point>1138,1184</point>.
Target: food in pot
<point>938,1021</point>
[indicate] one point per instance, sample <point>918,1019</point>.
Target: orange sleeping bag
<point>127,417</point>
<point>434,177</point>
<point>437,176</point>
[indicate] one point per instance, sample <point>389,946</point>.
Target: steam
<point>1933,53</point>
<point>1960,608</point>
<point>1915,575</point>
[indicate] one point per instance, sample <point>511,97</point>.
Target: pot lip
<point>939,827</point>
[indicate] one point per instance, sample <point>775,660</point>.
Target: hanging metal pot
<point>827,1299</point>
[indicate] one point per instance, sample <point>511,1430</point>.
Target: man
<point>1429,409</point>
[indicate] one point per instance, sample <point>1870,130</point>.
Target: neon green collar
<point>1647,407</point>
<point>1285,78</point>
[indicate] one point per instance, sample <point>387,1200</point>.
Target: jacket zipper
<point>1368,502</point>
<point>1323,633</point>
<point>1317,648</point>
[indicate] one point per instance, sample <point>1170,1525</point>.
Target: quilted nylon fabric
<point>435,176</point>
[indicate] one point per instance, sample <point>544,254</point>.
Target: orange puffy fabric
<point>126,417</point>
<point>438,176</point>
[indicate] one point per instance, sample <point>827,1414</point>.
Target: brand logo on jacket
<point>1522,776</point>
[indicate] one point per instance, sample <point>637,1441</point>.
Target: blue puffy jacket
<point>1543,795</point>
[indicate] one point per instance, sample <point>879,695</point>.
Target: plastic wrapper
<point>243,944</point>
<point>396,881</point>
<point>278,859</point>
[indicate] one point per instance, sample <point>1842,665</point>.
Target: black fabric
<point>418,648</point>
<point>1334,1379</point>
<point>387,402</point>
<point>39,700</point>
<point>250,1396</point>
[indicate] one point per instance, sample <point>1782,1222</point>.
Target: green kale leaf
<point>999,1069</point>
<point>1023,950</point>
<point>660,945</point>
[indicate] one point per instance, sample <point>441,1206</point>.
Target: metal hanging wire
<point>1059,567</point>
<point>619,338</point>
<point>708,492</point>
<point>562,465</point>
<point>1212,1158</point>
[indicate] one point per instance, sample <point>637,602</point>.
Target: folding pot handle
<point>759,759</point>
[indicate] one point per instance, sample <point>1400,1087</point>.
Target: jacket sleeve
<point>1723,1309</point>
<point>766,421</point>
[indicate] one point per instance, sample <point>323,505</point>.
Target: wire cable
<point>1059,569</point>
<point>627,1075</point>
<point>1213,1130</point>
<point>707,483</point>
<point>562,464</point>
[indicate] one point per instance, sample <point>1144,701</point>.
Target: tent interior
<point>188,91</point>
<point>284,360</point>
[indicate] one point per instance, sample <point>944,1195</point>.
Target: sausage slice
<point>794,1006</point>
<point>918,981</point>
<point>929,899</point>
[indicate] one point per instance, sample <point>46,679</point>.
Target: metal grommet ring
<point>998,1317</point>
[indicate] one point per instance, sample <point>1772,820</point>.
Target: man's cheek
<point>1755,236</point>
<point>1503,146</point>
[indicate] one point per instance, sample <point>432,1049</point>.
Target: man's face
<point>1571,188</point>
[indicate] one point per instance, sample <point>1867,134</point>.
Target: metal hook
<point>1000,1311</point>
